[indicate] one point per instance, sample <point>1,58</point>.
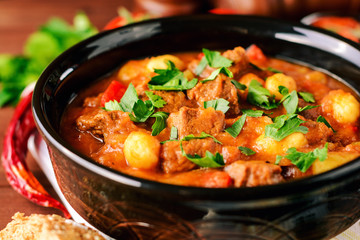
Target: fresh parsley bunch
<point>42,46</point>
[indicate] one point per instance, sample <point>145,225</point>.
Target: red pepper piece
<point>124,18</point>
<point>255,55</point>
<point>21,126</point>
<point>215,179</point>
<point>114,91</point>
<point>223,11</point>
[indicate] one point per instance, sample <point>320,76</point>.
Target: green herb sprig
<point>139,110</point>
<point>209,160</point>
<point>304,160</point>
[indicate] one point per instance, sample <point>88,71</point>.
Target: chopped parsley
<point>291,101</point>
<point>218,104</point>
<point>174,133</point>
<point>139,110</point>
<point>213,59</point>
<point>170,79</point>
<point>209,160</point>
<point>238,85</point>
<point>246,151</point>
<point>215,73</point>
<point>260,96</point>
<point>304,160</point>
<point>252,113</point>
<point>160,122</point>
<point>323,120</point>
<point>235,129</point>
<point>308,97</point>
<point>156,100</point>
<point>112,106</point>
<point>283,126</point>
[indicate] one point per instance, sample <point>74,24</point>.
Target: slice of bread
<point>46,227</point>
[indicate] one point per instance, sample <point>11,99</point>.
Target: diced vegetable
<point>114,91</point>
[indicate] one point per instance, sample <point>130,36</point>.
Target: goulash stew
<point>216,119</point>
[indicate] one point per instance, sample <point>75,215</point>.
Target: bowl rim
<point>294,188</point>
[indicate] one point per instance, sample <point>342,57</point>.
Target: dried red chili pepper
<point>21,126</point>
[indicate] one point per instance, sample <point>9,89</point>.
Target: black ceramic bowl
<point>127,207</point>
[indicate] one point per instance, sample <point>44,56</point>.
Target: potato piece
<point>188,75</point>
<point>160,62</point>
<point>131,70</point>
<point>271,146</point>
<point>142,150</point>
<point>341,105</point>
<point>316,76</point>
<point>334,160</point>
<point>279,79</point>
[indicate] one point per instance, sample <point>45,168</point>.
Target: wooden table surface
<point>19,18</point>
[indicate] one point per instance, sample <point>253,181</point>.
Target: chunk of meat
<point>218,88</point>
<point>173,160</point>
<point>207,178</point>
<point>103,123</point>
<point>197,120</point>
<point>239,58</point>
<point>254,173</point>
<point>318,133</point>
<point>174,100</point>
<point>292,172</point>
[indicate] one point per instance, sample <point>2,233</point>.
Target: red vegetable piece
<point>215,179</point>
<point>115,23</point>
<point>255,55</point>
<point>114,91</point>
<point>21,126</point>
<point>223,11</point>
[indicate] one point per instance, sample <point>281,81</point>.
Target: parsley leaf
<point>323,120</point>
<point>260,96</point>
<point>218,104</point>
<point>202,65</point>
<point>174,133</point>
<point>252,113</point>
<point>283,126</point>
<point>210,160</point>
<point>307,108</point>
<point>129,99</point>
<point>202,136</point>
<point>112,106</point>
<point>156,100</point>
<point>141,111</point>
<point>308,97</point>
<point>304,160</point>
<point>235,129</point>
<point>238,85</point>
<point>246,151</point>
<point>290,102</point>
<point>160,122</point>
<point>215,73</point>
<point>215,60</point>
<point>170,79</point>
<point>274,70</point>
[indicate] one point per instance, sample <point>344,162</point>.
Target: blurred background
<point>18,18</point>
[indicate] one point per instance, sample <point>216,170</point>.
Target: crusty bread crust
<point>46,227</point>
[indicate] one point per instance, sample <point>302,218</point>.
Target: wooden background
<point>19,18</point>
